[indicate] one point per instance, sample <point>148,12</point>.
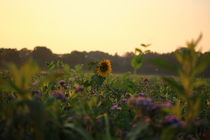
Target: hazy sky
<point>105,25</point>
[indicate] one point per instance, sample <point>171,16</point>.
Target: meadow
<point>68,103</point>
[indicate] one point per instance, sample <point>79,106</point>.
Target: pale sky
<point>105,25</point>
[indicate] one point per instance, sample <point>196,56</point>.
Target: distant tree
<point>42,55</point>
<point>9,56</point>
<point>25,54</point>
<point>129,54</point>
<point>75,57</point>
<point>120,64</point>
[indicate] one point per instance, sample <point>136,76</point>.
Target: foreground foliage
<point>65,103</point>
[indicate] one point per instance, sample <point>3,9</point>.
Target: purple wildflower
<point>127,95</point>
<point>10,97</point>
<point>162,97</point>
<point>141,94</point>
<point>172,120</point>
<point>79,88</point>
<point>140,101</point>
<point>123,101</point>
<point>165,104</point>
<point>116,107</point>
<point>59,95</point>
<point>62,82</point>
<point>143,101</point>
<point>73,118</point>
<point>35,83</point>
<point>36,92</point>
<point>101,96</point>
<point>112,96</point>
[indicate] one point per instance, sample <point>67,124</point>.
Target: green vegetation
<point>137,60</point>
<point>121,64</point>
<point>67,103</point>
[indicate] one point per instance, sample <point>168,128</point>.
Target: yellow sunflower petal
<point>104,68</point>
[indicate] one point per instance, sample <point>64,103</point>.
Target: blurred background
<point>84,31</point>
<point>112,26</point>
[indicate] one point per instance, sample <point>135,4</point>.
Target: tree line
<point>120,64</point>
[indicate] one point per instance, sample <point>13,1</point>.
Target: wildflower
<point>140,101</point>
<point>123,101</point>
<point>70,93</point>
<point>59,95</point>
<point>208,103</point>
<point>101,96</point>
<point>172,120</point>
<point>146,80</point>
<point>35,83</point>
<point>111,96</point>
<point>127,94</point>
<point>116,107</point>
<point>141,94</point>
<point>62,82</point>
<point>79,88</point>
<point>143,101</point>
<point>73,118</point>
<point>165,104</point>
<point>36,92</point>
<point>10,97</point>
<point>198,121</point>
<point>162,97</point>
<point>147,120</point>
<point>104,68</point>
<point>67,94</point>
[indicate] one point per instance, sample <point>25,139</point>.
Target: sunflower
<point>208,103</point>
<point>104,68</point>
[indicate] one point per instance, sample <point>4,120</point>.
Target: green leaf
<point>79,130</point>
<point>169,134</point>
<point>97,80</point>
<point>145,45</point>
<point>78,68</point>
<point>136,61</point>
<point>108,136</point>
<point>174,84</point>
<point>147,51</point>
<point>66,68</point>
<point>134,133</point>
<point>139,51</point>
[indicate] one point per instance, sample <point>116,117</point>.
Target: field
<point>68,103</point>
<point>65,106</point>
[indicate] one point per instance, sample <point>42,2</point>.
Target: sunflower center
<point>104,67</point>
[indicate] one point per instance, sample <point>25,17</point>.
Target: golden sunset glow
<point>105,25</point>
